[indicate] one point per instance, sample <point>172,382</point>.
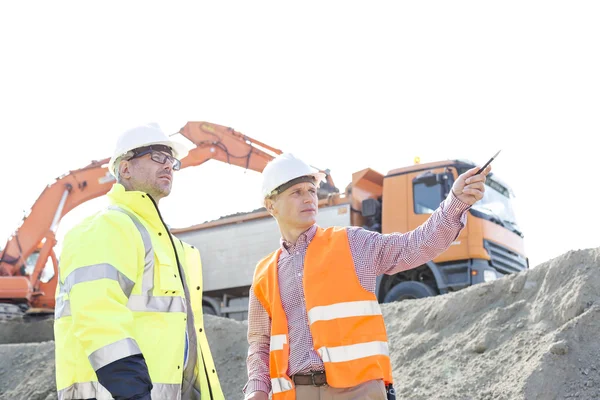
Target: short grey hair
<point>117,165</point>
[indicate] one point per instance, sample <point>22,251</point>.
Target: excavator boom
<point>225,144</point>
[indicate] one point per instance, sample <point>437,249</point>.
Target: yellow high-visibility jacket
<point>125,322</point>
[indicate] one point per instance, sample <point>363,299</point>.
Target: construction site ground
<point>533,335</point>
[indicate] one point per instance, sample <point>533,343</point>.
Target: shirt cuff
<point>455,208</point>
<point>255,385</point>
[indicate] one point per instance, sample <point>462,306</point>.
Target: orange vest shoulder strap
<point>322,236</point>
<point>261,283</point>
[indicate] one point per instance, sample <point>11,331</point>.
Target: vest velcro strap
<point>344,310</point>
<point>281,385</point>
<point>277,342</point>
<point>353,351</point>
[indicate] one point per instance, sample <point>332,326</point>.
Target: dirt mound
<point>27,371</point>
<point>228,344</point>
<point>526,336</point>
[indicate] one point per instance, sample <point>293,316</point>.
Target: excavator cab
<point>28,267</point>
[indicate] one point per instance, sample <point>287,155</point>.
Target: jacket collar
<point>138,202</point>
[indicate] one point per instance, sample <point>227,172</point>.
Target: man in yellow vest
<point>315,328</point>
<point>128,318</point>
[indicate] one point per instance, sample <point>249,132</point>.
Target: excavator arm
<point>225,144</point>
<point>36,234</point>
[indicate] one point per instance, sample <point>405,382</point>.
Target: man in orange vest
<point>315,328</point>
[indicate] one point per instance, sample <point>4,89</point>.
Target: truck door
<point>426,191</point>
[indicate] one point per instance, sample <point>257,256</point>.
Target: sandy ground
<point>528,336</point>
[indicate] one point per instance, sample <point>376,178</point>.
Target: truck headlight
<point>489,275</point>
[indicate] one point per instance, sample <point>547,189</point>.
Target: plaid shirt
<point>373,253</point>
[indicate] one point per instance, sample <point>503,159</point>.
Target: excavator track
<point>25,326</point>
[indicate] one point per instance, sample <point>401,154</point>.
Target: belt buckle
<point>312,377</point>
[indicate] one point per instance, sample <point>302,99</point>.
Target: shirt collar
<point>303,240</point>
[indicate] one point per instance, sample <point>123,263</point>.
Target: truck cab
<point>490,246</point>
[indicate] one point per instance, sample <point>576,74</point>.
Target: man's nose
<point>168,165</point>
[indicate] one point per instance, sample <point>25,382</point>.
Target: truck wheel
<point>208,310</point>
<point>408,290</point>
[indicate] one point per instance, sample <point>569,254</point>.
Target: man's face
<point>296,207</point>
<point>147,175</point>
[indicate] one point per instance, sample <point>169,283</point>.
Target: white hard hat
<point>285,168</point>
<point>145,135</point>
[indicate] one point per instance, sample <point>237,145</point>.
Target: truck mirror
<point>446,179</point>
<point>370,208</point>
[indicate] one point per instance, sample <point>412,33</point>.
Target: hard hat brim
<point>318,176</point>
<point>180,151</point>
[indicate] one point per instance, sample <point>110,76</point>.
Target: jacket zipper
<point>182,283</point>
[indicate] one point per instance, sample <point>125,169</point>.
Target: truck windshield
<point>497,203</point>
<point>497,200</point>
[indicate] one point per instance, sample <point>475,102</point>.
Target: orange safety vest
<point>345,320</point>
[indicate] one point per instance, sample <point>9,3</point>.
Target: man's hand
<point>258,395</point>
<point>469,188</point>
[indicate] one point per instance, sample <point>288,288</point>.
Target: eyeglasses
<point>160,157</point>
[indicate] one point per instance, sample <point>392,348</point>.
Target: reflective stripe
<point>62,307</point>
<point>113,352</point>
<point>94,390</point>
<point>88,273</point>
<point>344,310</point>
<point>85,390</point>
<point>353,351</point>
<point>280,385</point>
<point>148,276</point>
<point>138,302</point>
<point>166,391</point>
<point>96,272</point>
<point>278,341</point>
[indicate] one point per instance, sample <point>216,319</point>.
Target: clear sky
<point>345,85</point>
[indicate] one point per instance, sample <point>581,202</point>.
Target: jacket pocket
<point>169,279</point>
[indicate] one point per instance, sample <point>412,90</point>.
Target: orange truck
<point>489,247</point>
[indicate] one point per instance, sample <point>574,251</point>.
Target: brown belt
<point>314,379</point>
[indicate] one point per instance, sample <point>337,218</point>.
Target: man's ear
<point>124,169</point>
<point>270,206</point>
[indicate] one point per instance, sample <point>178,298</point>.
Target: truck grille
<point>503,260</point>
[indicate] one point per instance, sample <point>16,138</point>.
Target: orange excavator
<point>32,244</point>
